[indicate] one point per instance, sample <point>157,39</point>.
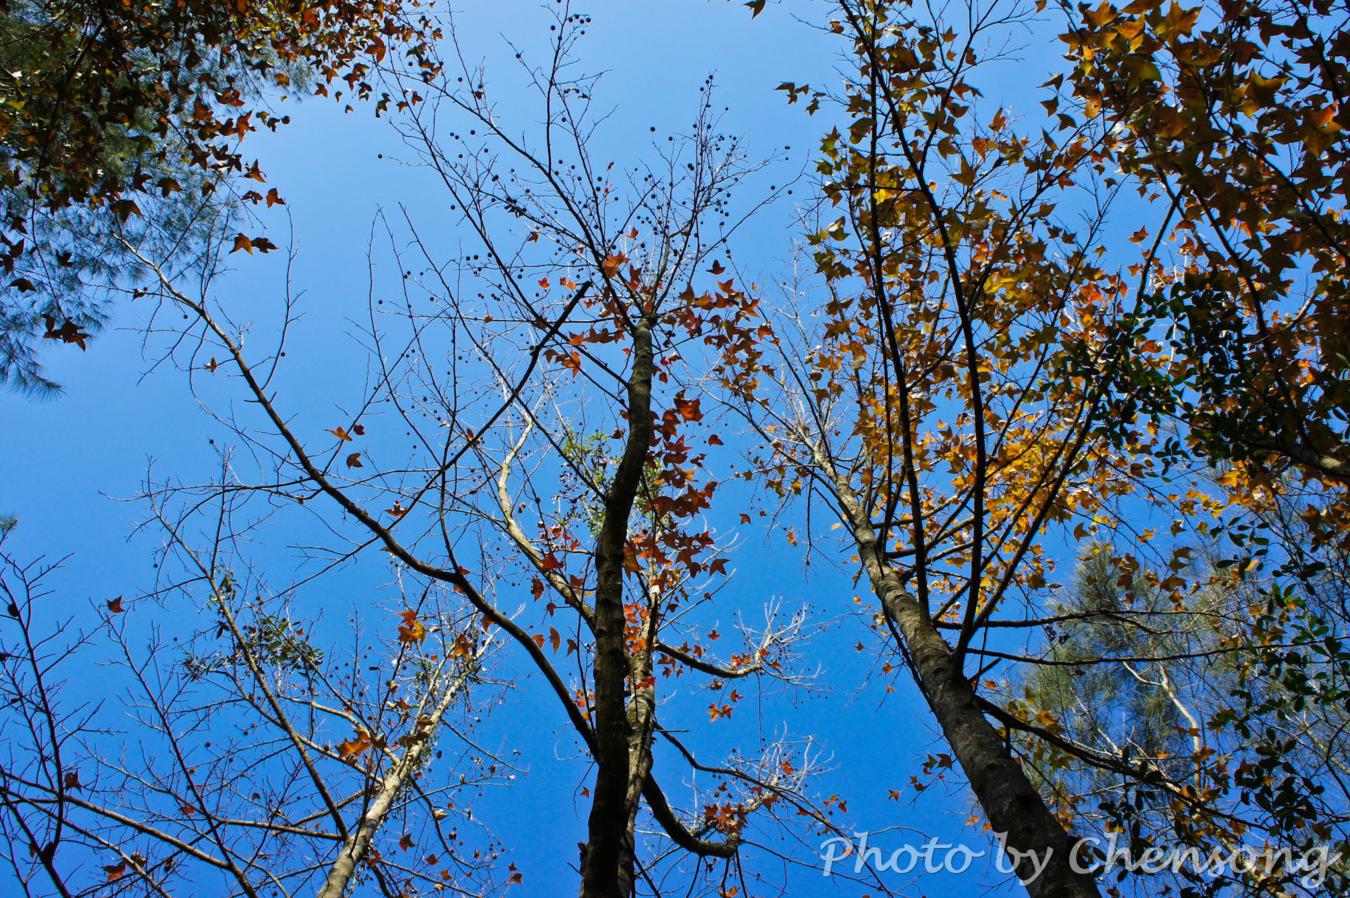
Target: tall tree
<point>560,466</point>
<point>937,399</point>
<point>985,379</point>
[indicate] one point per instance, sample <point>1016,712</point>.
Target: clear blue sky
<point>67,462</point>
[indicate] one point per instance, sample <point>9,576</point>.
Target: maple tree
<point>986,379</point>
<point>929,406</point>
<point>557,475</point>
<point>1232,117</point>
<point>1235,116</point>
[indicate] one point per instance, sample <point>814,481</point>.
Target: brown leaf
<point>68,332</point>
<point>411,630</point>
<point>355,746</point>
<point>124,209</point>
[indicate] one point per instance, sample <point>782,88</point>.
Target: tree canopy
<point>110,111</point>
<point>1050,375</point>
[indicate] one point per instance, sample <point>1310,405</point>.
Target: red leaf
<point>688,408</point>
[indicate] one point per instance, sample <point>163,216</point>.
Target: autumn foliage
<point>1054,382</point>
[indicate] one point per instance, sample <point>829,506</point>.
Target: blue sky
<point>70,461</point>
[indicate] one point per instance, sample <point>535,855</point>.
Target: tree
<point>558,475</point>
<point>1235,695</point>
<point>130,116</point>
<point>977,381</point>
<point>1233,117</point>
<point>949,401</point>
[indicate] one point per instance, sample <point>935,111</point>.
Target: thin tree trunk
<point>607,865</point>
<point>1010,802</point>
<point>357,844</point>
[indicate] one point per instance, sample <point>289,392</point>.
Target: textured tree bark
<point>607,865</point>
<point>1008,798</point>
<point>642,717</point>
<point>1010,802</point>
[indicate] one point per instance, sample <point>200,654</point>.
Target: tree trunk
<point>607,863</point>
<point>357,844</point>
<point>1010,802</point>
